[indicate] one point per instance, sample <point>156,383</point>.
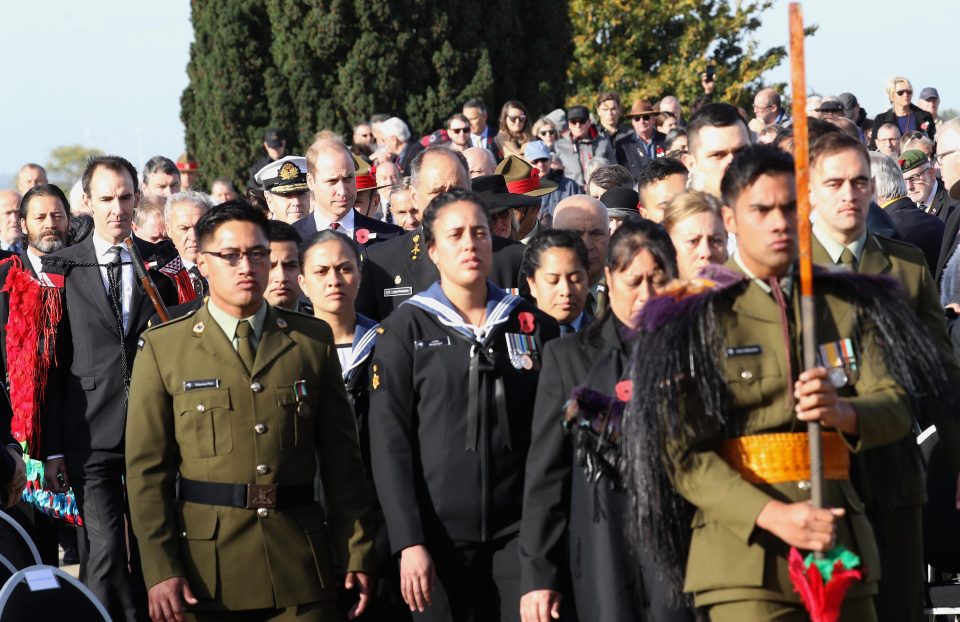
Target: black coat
<point>918,228</point>
<point>406,157</point>
<point>630,152</point>
<point>395,270</point>
<point>307,226</point>
<point>942,205</point>
<point>951,231</point>
<point>571,526</point>
<point>88,375</point>
<point>880,223</point>
<point>921,115</point>
<point>434,484</point>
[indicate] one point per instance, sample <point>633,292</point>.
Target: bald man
<point>768,109</point>
<point>588,217</point>
<point>398,269</point>
<point>331,178</point>
<point>10,221</point>
<point>479,162</point>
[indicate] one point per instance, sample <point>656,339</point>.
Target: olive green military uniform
<point>200,413</point>
<point>891,479</point>
<point>734,568</point>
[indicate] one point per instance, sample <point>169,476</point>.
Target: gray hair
<point>417,165</point>
<point>886,173</point>
<point>198,199</point>
<point>395,126</point>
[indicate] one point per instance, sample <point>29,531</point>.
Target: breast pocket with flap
<point>204,424</point>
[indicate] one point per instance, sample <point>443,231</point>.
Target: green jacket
<point>232,557</point>
<point>730,558</point>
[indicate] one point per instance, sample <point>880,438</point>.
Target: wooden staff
<point>801,159</point>
<point>141,269</point>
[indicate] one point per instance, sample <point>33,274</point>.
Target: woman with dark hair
<point>514,129</point>
<point>555,265</point>
<point>572,539</point>
<point>452,383</point>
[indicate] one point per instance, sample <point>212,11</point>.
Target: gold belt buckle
<point>261,496</point>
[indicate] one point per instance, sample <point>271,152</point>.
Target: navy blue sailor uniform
<point>452,409</point>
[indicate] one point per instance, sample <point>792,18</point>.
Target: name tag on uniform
<point>208,383</point>
<point>431,343</point>
<point>393,292</point>
<point>744,351</point>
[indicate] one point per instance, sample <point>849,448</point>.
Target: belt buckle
<point>261,496</point>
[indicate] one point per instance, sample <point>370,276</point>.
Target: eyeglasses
<point>522,118</point>
<point>643,119</point>
<point>459,130</point>
<point>576,121</point>
<point>942,156</point>
<point>539,160</point>
<point>232,257</point>
<point>755,107</point>
<point>547,133</point>
<point>905,92</point>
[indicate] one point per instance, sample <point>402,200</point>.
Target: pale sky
<point>109,74</point>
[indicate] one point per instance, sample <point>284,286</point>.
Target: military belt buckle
<point>261,496</point>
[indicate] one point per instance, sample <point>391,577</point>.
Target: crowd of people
<point>547,371</point>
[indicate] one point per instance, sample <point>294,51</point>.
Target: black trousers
<point>476,582</point>
<point>109,558</point>
<point>899,534</point>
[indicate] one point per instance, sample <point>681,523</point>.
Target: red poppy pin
<point>624,390</point>
<point>659,151</point>
<point>901,162</point>
<point>925,125</point>
<point>526,322</point>
<point>362,236</point>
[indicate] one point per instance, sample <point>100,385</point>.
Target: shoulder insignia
<point>375,377</point>
<point>198,327</point>
<point>380,330</point>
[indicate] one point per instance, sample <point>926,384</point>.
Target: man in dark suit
<point>645,142</point>
<point>913,224</point>
<point>890,478</point>
<point>104,312</point>
<point>331,177</point>
<point>399,268</point>
<point>400,143</point>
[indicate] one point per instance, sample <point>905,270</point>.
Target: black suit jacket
<point>88,375</point>
<point>942,205</point>
<point>920,114</point>
<point>407,156</point>
<point>307,226</point>
<point>918,228</point>
<point>951,231</point>
<point>630,152</point>
<point>880,223</point>
<point>394,271</point>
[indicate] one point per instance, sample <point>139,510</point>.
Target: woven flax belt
<point>778,458</point>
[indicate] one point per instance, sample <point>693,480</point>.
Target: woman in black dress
<point>452,383</point>
<point>572,541</point>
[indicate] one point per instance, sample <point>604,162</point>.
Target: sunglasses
<point>547,133</point>
<point>576,121</point>
<point>459,130</point>
<point>521,118</point>
<point>905,92</point>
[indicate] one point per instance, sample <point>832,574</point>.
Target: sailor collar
<point>499,306</point>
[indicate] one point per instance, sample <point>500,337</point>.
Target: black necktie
<point>199,284</point>
<point>114,282</point>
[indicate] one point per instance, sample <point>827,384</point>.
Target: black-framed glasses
<point>233,257</point>
<point>459,130</point>
<point>522,118</point>
<point>547,133</point>
<point>576,121</point>
<point>904,92</point>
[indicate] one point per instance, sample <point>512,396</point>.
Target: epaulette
<point>172,321</point>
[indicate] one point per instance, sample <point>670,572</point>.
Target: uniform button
<point>746,374</point>
<point>256,387</point>
<point>183,534</point>
<point>263,512</point>
<point>263,469</point>
<point>201,408</point>
<point>260,428</point>
<point>804,485</point>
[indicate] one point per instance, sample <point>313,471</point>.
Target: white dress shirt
<point>38,267</point>
<point>346,223</point>
<point>104,256</point>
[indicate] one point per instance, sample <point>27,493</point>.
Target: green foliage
<point>649,49</point>
<point>66,164</point>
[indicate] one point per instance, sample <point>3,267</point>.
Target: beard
<point>48,245</point>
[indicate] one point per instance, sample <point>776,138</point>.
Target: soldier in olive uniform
<point>222,453</point>
<point>745,414</point>
<point>891,478</point>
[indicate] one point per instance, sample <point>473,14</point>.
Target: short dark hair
<point>110,162</point>
<point>835,142</point>
<point>552,238</point>
<point>159,164</point>
<point>636,234</point>
<point>659,169</point>
<point>43,190</point>
<point>236,210</point>
<point>379,117</point>
<point>714,115</point>
<point>477,103</point>
<point>672,136</point>
<point>441,201</point>
<point>612,176</point>
<point>329,235</point>
<point>283,232</point>
<point>817,128</point>
<point>607,96</point>
<point>748,165</point>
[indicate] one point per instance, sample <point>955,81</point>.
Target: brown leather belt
<point>785,457</point>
